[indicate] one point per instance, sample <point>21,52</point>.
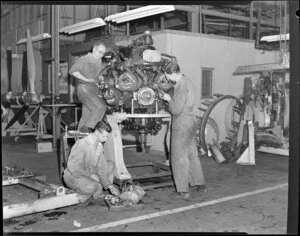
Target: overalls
<point>93,106</point>
<point>185,164</point>
<point>87,170</point>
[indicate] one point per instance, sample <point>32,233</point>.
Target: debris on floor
<point>130,198</point>
<point>76,224</point>
<point>15,172</point>
<point>54,215</point>
<point>133,194</point>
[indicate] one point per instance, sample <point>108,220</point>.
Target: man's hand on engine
<point>101,78</point>
<point>112,61</point>
<point>94,83</point>
<point>113,190</point>
<point>165,96</point>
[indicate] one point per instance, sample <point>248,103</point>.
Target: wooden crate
<point>45,146</point>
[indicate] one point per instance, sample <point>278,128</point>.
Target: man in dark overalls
<point>186,166</point>
<point>87,70</point>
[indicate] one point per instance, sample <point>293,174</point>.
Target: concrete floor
<point>251,199</point>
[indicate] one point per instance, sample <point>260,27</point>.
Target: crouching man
<point>88,172</point>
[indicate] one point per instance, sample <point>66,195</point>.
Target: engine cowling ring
<point>146,96</point>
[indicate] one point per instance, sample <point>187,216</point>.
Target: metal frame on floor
<point>51,196</point>
<point>161,169</point>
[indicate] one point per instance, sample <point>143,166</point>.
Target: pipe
<point>127,24</point>
<point>258,28</point>
<point>142,75</point>
<point>200,19</point>
<point>129,146</point>
<point>280,25</point>
<point>285,25</point>
<point>55,67</point>
<point>52,72</point>
<point>251,21</point>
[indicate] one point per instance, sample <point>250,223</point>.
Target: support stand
<point>113,150</point>
<point>24,128</point>
<point>248,156</point>
<point>41,131</point>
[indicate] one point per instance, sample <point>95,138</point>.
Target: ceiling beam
<point>224,15</point>
<point>236,17</point>
<point>218,29</point>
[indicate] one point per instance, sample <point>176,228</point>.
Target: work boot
<point>99,201</point>
<point>184,195</point>
<point>87,202</point>
<point>92,201</point>
<point>200,188</point>
<point>98,197</point>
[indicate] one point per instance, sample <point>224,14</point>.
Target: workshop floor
<point>251,199</point>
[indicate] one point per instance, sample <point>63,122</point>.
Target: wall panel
<point>82,12</point>
<point>239,54</point>
<point>261,56</point>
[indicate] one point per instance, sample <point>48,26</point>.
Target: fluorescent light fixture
<point>250,69</point>
<point>16,56</point>
<point>139,13</point>
<point>82,26</point>
<point>77,30</point>
<point>96,21</point>
<point>274,38</point>
<point>35,38</point>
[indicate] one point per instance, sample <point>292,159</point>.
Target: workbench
<point>29,127</point>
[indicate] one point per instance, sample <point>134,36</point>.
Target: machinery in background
<point>265,102</point>
<point>22,100</point>
<point>28,96</point>
<point>33,108</point>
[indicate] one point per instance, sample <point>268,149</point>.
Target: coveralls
<point>87,170</point>
<point>186,166</point>
<point>93,106</point>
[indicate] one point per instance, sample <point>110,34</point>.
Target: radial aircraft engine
<point>133,81</point>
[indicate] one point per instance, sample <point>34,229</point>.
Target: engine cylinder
<point>128,81</point>
<point>161,82</point>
